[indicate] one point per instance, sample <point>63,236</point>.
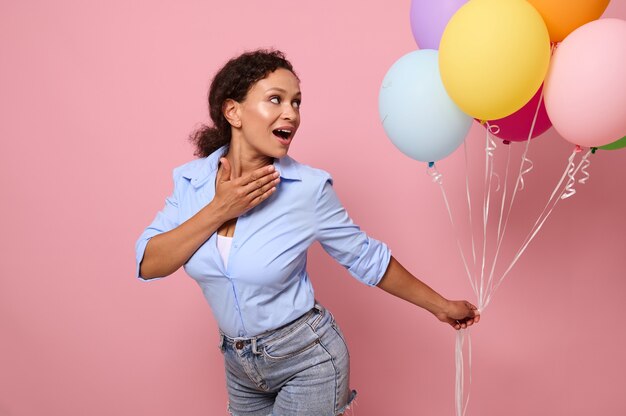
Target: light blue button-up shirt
<point>266,284</point>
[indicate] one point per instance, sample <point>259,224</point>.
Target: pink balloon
<point>585,90</point>
<point>516,127</point>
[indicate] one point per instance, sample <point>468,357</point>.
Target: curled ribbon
<point>585,164</point>
<point>495,175</point>
<point>571,170</point>
<point>491,146</point>
<point>434,173</point>
<point>525,171</point>
<point>493,128</point>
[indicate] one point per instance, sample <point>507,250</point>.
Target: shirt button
<point>239,345</point>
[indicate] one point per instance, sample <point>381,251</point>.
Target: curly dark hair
<point>234,81</point>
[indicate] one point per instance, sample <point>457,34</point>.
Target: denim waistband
<point>273,334</point>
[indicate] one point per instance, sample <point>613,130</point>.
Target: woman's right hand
<point>235,196</point>
<point>168,251</point>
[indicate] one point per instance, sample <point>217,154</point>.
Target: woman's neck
<point>244,159</point>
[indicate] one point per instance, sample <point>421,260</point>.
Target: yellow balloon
<point>493,56</point>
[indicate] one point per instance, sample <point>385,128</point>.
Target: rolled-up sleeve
<point>165,220</point>
<point>364,257</point>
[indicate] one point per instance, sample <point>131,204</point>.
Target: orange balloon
<point>563,16</point>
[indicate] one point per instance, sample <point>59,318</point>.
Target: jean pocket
<point>293,344</point>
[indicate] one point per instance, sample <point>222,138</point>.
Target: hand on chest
<point>268,245</point>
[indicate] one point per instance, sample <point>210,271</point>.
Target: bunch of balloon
<point>519,67</point>
<point>499,59</point>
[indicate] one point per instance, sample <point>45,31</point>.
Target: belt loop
<point>221,344</point>
<point>319,307</point>
<point>320,311</point>
<point>254,350</point>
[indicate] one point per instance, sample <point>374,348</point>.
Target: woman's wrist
<point>213,215</point>
<point>439,306</point>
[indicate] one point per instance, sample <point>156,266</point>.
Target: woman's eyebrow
<point>281,90</point>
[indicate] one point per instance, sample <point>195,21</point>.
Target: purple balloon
<point>429,18</point>
<point>515,127</point>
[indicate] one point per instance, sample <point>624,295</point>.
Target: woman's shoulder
<point>191,167</point>
<point>196,172</point>
<point>199,169</point>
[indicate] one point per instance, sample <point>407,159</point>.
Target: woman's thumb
<point>225,176</point>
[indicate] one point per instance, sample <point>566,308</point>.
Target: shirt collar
<point>203,169</point>
<point>288,168</point>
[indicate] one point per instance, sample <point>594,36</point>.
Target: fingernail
<point>270,168</point>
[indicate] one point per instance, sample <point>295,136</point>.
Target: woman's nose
<point>289,113</point>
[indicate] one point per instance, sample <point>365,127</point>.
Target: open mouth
<point>282,133</point>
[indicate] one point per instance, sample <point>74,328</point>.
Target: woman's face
<point>270,114</point>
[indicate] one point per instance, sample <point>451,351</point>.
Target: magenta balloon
<point>516,127</point>
<point>429,18</point>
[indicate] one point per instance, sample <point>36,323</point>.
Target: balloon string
<point>530,135</point>
<point>461,408</point>
<point>549,207</point>
<point>525,160</point>
<point>585,164</point>
<point>569,186</point>
<point>490,146</point>
<point>519,185</point>
<point>459,380</point>
<point>500,234</point>
<point>437,178</point>
<point>493,128</point>
<point>469,203</point>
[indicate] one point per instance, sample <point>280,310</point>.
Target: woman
<point>240,221</point>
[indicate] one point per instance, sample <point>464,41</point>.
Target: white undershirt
<point>223,246</point>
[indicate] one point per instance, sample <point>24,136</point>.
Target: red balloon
<point>516,127</point>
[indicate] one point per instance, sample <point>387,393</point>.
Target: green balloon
<point>615,145</point>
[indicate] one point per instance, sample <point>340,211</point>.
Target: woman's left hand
<point>460,314</point>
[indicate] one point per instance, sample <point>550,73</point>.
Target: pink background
<point>96,101</point>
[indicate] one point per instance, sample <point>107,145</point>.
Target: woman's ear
<point>231,112</point>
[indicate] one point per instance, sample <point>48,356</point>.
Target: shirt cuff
<point>372,262</point>
<point>140,249</point>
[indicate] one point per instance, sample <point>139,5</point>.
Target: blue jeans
<point>302,368</point>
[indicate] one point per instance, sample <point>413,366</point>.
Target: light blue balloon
<point>416,112</point>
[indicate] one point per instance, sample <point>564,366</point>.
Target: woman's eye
<point>297,103</point>
<point>275,100</point>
